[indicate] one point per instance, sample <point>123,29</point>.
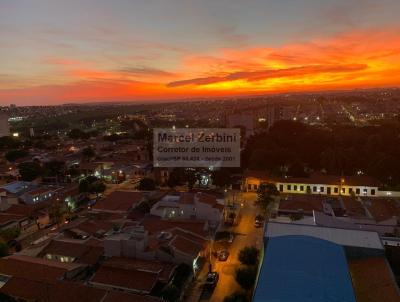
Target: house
<point>38,195</point>
<point>66,251</point>
<point>156,239</point>
<point>198,205</point>
<point>38,269</point>
<point>131,275</point>
<point>64,291</point>
<point>318,184</point>
<point>15,189</point>
<point>119,202</point>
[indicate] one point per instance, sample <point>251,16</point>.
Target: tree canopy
<point>293,147</point>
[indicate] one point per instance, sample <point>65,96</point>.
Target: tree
<point>57,212</point>
<point>6,298</point>
<point>10,233</point>
<point>147,184</point>
<point>236,297</point>
<point>246,277</point>
<point>175,177</point>
<point>265,196</point>
<point>170,293</point>
<point>221,177</point>
<point>13,155</point>
<point>249,255</point>
<point>191,178</point>
<point>77,134</point>
<point>30,170</point>
<point>3,250</point>
<point>54,168</point>
<point>88,153</point>
<point>97,187</point>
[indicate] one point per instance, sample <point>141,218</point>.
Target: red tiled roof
<point>119,201</point>
<point>40,191</point>
<point>20,209</point>
<point>382,208</point>
<point>82,252</point>
<point>164,270</point>
<point>94,226</point>
<point>7,218</point>
<point>186,198</point>
<point>115,296</point>
<point>155,224</point>
<point>307,203</point>
<point>353,207</point>
<point>56,292</point>
<point>135,280</point>
<point>186,246</point>
<point>373,281</point>
<point>34,268</point>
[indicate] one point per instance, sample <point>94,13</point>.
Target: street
<point>246,235</point>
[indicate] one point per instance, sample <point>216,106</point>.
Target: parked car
<point>259,221</point>
<point>223,255</point>
<point>212,279</point>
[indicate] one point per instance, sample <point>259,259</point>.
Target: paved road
<point>247,235</point>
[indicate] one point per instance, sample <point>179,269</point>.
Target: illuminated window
<point>358,191</point>
<point>289,187</point>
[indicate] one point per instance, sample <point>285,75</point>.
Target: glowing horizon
<point>52,53</point>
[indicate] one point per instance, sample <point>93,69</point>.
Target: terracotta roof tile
<point>121,201</point>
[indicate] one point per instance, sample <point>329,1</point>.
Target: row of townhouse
<point>318,183</point>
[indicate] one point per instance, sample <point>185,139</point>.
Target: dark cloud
<point>145,71</point>
<point>269,74</point>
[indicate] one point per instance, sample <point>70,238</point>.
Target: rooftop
<point>316,270</point>
<point>373,280</point>
<point>357,238</point>
<point>119,201</point>
<point>34,268</point>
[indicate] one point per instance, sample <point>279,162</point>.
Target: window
<point>314,189</point>
<point>295,187</point>
<point>321,189</point>
<point>308,189</point>
<point>372,191</point>
<point>358,191</point>
<point>289,187</point>
<point>281,188</point>
<point>336,190</point>
<point>343,190</point>
<point>301,188</point>
<point>350,190</point>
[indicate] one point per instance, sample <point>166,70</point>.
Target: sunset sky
<point>54,52</point>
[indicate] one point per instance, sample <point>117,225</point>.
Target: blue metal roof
<point>303,269</point>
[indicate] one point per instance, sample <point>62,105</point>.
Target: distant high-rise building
<point>246,121</point>
<point>4,126</point>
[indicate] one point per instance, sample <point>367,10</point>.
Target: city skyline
<point>56,52</point>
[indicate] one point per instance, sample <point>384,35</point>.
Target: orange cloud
<point>352,60</point>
